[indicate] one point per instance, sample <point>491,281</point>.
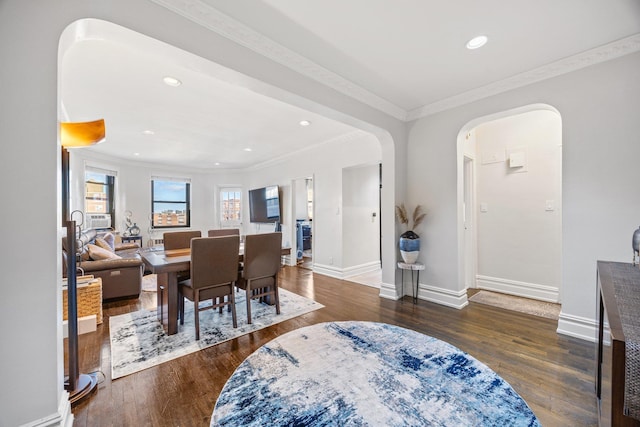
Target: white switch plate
<point>484,207</point>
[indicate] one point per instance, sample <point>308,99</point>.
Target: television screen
<point>264,204</point>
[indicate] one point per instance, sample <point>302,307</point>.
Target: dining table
<point>166,264</point>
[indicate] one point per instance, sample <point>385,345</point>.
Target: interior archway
<point>98,29</point>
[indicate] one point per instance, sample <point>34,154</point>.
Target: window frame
<point>230,223</point>
<point>110,191</point>
<point>186,202</point>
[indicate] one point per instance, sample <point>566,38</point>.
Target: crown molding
<point>214,20</point>
<point>572,63</point>
<point>211,18</point>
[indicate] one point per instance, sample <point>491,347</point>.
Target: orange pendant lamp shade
<point>82,134</point>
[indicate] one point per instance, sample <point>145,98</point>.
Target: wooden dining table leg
<point>168,301</point>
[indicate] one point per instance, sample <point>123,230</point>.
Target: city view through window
<point>170,204</point>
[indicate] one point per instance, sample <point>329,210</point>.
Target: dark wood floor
<point>553,373</point>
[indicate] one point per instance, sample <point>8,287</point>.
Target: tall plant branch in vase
<point>409,240</point>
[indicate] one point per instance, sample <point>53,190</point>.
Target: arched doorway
<point>510,176</point>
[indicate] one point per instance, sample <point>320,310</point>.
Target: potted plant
<point>409,240</point>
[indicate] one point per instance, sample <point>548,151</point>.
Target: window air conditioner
<point>98,221</point>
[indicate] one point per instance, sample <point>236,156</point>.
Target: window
<point>230,207</point>
<point>99,194</point>
<point>170,203</point>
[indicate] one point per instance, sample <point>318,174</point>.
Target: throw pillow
<point>84,256</point>
<point>110,238</point>
<point>103,244</point>
<point>97,253</point>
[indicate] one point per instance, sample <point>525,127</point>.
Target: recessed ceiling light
<point>248,149</point>
<point>172,81</point>
<point>477,42</point>
<point>148,132</point>
<point>305,122</point>
<point>216,164</point>
<point>136,154</point>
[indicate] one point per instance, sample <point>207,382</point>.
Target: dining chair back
<point>179,239</point>
<point>223,232</point>
<point>214,271</point>
<point>259,277</point>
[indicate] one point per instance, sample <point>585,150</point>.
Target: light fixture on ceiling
<point>82,134</point>
<point>136,154</point>
<point>148,132</point>
<point>477,42</point>
<point>216,164</point>
<point>171,81</point>
<point>247,149</point>
<point>305,122</point>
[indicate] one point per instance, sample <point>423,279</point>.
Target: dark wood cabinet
<point>610,351</point>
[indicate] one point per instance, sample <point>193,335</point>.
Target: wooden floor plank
<point>553,373</point>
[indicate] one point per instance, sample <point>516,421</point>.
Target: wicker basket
<point>89,300</point>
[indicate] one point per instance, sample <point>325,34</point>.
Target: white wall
<point>519,239</point>
<point>599,108</point>
<point>29,37</point>
<point>360,219</point>
<point>133,191</point>
<point>325,163</point>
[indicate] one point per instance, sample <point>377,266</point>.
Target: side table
<point>134,239</point>
<point>413,267</point>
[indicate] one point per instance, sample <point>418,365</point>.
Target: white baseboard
<point>521,289</point>
<point>389,291</point>
<point>345,273</point>
<point>62,418</point>
<point>447,297</point>
<point>577,327</point>
<point>356,270</point>
<point>85,324</point>
<point>327,270</point>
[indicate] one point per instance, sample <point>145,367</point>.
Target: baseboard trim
<point>577,327</point>
<point>62,418</point>
<point>389,291</point>
<point>345,273</point>
<point>446,297</point>
<point>356,270</point>
<point>327,270</point>
<point>521,289</point>
<point>435,294</point>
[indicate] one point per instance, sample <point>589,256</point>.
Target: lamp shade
<point>82,134</point>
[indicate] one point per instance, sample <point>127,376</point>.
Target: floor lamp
<point>78,385</point>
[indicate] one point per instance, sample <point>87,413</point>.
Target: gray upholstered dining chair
<point>179,239</point>
<point>259,277</point>
<point>223,232</point>
<point>214,271</point>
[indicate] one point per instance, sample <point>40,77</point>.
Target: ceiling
<point>406,58</point>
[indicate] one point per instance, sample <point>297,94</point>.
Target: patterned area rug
<point>364,373</point>
<point>523,305</point>
<point>138,341</point>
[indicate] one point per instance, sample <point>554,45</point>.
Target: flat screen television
<point>264,204</point>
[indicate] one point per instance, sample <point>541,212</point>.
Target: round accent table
<point>415,267</point>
